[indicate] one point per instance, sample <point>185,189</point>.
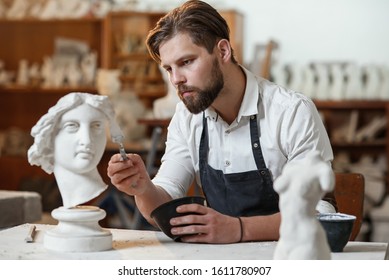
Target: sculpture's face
<point>81,139</point>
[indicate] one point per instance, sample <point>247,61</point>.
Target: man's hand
<point>129,176</point>
<point>205,225</point>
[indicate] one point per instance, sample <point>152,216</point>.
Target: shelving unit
<point>22,106</point>
<point>349,119</point>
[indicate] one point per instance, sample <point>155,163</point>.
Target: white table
<point>146,245</point>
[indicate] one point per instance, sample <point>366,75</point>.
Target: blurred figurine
<point>301,186</point>
<point>165,107</point>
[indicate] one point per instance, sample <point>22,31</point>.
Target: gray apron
<point>247,193</point>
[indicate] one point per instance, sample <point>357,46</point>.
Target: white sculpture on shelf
<point>301,186</point>
<point>308,84</point>
<point>337,85</point>
<point>164,107</point>
<point>127,105</point>
<point>22,78</point>
<point>280,75</point>
<point>69,141</point>
<point>322,85</point>
<point>88,68</point>
<point>296,77</point>
<point>354,84</point>
<point>47,72</point>
<point>383,92</point>
<point>373,82</point>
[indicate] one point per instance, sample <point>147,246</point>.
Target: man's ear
<point>224,48</point>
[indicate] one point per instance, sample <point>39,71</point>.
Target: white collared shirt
<point>289,124</point>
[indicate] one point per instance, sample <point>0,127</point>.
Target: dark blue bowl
<point>163,213</point>
<point>338,228</point>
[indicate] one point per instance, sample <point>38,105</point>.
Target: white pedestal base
<point>78,230</point>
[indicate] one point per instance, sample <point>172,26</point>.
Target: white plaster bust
<point>70,141</point>
<point>164,107</point>
<point>301,186</point>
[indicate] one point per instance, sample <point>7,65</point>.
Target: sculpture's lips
<point>85,154</point>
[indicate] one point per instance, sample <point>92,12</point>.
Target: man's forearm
<point>263,228</point>
<point>150,199</point>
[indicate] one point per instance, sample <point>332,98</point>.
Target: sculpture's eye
<point>71,127</point>
<point>97,126</point>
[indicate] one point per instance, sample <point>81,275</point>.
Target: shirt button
<point>228,131</point>
<point>255,145</point>
<point>228,163</point>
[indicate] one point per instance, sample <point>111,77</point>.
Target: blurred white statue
<point>373,82</point>
<point>308,83</point>
<point>88,68</point>
<point>296,77</point>
<point>301,186</point>
<point>22,78</point>
<point>337,86</point>
<point>384,87</point>
<point>18,9</point>
<point>354,84</point>
<point>47,72</point>
<point>322,85</point>
<point>127,105</point>
<point>108,82</point>
<point>164,107</point>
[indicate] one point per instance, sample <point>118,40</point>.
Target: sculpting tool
<point>31,234</point>
<point>122,152</point>
<point>119,140</point>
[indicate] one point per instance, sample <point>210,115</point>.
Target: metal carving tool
<point>122,152</point>
<point>119,140</point>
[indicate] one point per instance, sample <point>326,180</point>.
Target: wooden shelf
<point>336,114</point>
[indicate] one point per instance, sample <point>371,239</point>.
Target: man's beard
<point>202,99</point>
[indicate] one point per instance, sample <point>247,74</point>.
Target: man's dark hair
<point>196,18</point>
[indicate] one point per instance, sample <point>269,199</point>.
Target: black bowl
<point>163,213</point>
<point>338,228</point>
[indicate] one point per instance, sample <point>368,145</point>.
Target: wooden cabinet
<point>32,40</point>
<point>22,106</point>
<point>124,48</point>
<point>358,129</point>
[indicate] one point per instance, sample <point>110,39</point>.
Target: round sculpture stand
<point>78,230</point>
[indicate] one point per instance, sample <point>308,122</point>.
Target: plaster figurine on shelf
<point>164,107</point>
<point>296,76</point>
<point>88,68</point>
<point>18,9</point>
<point>373,82</point>
<point>308,85</point>
<point>22,78</point>
<point>127,105</point>
<point>301,186</point>
<point>69,141</point>
<point>354,85</point>
<point>337,85</point>
<point>322,85</point>
<point>383,92</point>
<point>47,72</point>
